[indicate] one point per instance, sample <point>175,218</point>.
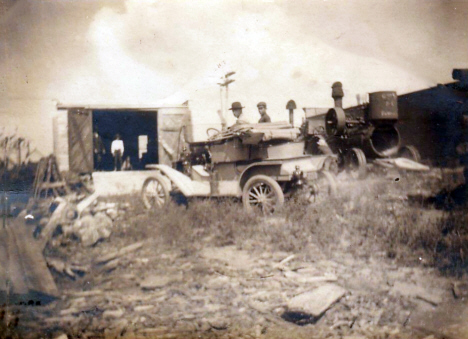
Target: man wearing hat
<point>264,117</point>
<point>236,109</point>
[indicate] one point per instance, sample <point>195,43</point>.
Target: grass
<point>366,218</point>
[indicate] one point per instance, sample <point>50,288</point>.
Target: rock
<point>155,281</point>
<point>103,221</point>
<point>112,213</point>
<point>218,323</point>
<point>91,229</point>
<point>143,308</point>
<point>218,282</point>
<point>317,301</point>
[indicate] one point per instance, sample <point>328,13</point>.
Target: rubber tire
<point>358,156</point>
<point>165,191</point>
<point>409,152</point>
<point>335,121</point>
<point>256,179</point>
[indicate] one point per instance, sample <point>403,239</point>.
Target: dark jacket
<point>264,118</point>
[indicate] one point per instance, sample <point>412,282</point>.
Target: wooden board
<point>80,140</point>
<point>317,301</point>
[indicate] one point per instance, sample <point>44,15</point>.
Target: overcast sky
<point>143,52</point>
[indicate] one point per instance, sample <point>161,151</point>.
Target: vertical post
<point>227,100</point>
<point>225,83</point>
<point>222,114</point>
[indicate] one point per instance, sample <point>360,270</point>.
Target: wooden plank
<point>25,265</point>
<point>53,185</point>
<point>317,301</point>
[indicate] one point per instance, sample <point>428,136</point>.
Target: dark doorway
<point>138,131</point>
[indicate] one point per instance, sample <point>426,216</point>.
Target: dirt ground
<point>160,288</point>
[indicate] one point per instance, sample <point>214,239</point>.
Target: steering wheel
<point>212,134</point>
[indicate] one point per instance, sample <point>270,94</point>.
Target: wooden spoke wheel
<point>409,152</point>
<point>262,194</point>
<point>155,193</point>
<point>356,163</point>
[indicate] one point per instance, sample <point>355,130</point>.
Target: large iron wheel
<point>409,152</point>
<point>155,193</point>
<point>262,194</point>
<point>335,121</point>
<point>356,163</point>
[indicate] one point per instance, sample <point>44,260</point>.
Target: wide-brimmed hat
<point>236,105</point>
<point>262,103</point>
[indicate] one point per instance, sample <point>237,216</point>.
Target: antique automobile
<point>363,133</point>
<point>263,164</point>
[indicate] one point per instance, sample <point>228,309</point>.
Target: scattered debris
<point>85,203</point>
<point>91,229</point>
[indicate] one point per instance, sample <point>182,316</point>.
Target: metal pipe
<point>338,94</point>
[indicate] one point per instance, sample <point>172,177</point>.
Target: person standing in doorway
<point>117,150</point>
<point>262,109</point>
<point>99,150</point>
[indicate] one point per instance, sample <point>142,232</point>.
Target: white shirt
<point>117,145</point>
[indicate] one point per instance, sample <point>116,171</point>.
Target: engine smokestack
<point>337,94</point>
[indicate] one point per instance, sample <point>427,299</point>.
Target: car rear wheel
<point>155,193</point>
<point>262,194</point>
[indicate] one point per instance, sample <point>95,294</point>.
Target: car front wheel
<point>155,193</point>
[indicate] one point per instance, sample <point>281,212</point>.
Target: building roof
<point>117,107</point>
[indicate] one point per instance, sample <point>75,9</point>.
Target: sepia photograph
<point>234,169</point>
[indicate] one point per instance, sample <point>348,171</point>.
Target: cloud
<point>154,52</point>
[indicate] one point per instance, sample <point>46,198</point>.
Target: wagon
<point>262,164</point>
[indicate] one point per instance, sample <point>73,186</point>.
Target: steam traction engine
<point>365,132</point>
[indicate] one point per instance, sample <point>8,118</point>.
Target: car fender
<point>270,168</point>
<point>185,184</point>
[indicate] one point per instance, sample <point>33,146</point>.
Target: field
<point>208,270</point>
